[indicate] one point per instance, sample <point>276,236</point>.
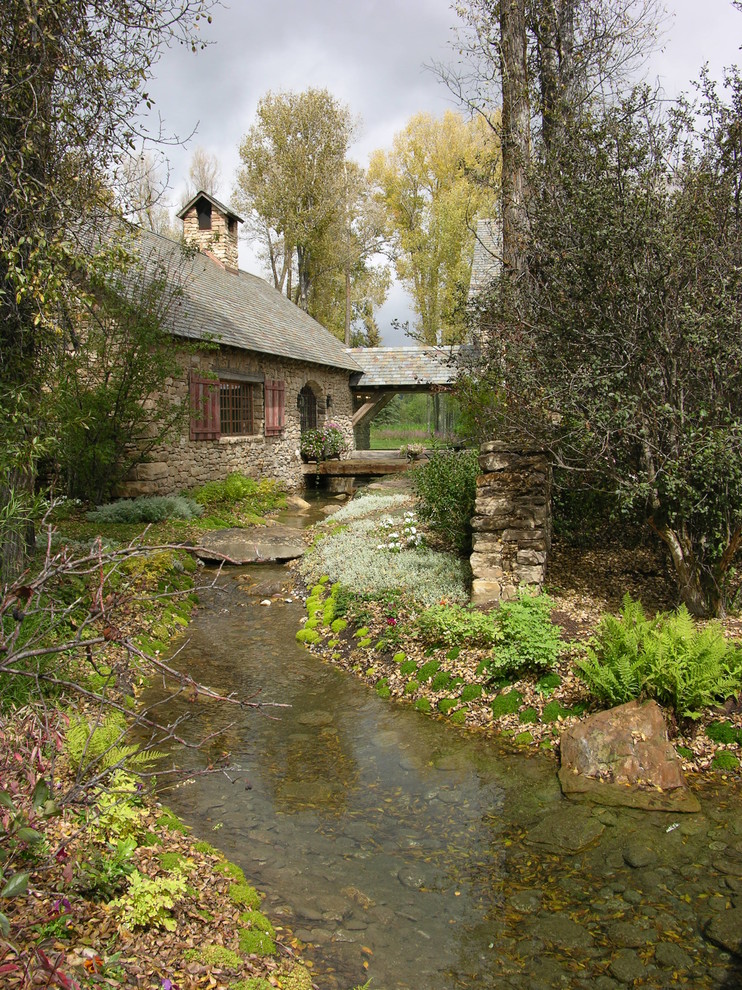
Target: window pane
<point>236,408</point>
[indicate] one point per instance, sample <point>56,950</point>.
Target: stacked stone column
<point>512,521</point>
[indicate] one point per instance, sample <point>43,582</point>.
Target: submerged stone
<point>257,545</point>
<point>725,930</point>
<point>567,831</point>
<point>623,757</point>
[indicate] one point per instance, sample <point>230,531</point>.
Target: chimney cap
<point>214,202</point>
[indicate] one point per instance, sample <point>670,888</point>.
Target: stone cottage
<point>270,372</point>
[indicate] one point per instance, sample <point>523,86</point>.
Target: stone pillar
<point>512,521</point>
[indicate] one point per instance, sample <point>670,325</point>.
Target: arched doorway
<point>307,409</point>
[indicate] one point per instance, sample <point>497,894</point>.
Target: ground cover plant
<point>357,555</point>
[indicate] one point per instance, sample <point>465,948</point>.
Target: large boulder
<point>623,757</point>
<point>257,545</point>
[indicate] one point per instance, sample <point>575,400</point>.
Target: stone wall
<point>512,521</point>
<point>185,463</point>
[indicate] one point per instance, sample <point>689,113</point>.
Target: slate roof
<point>487,256</point>
<point>236,308</point>
<point>406,366</point>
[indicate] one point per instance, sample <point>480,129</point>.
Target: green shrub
<point>507,704</point>
<point>455,625</point>
<point>446,489</point>
<point>529,640</point>
<point>667,658</point>
<point>147,509</point>
<point>148,902</point>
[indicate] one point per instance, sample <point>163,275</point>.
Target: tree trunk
<point>17,535</point>
<point>516,137</point>
<point>700,592</point>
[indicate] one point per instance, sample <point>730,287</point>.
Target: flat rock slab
<point>259,545</point>
<point>725,930</point>
<point>622,757</point>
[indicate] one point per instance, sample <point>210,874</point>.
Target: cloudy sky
<point>370,54</point>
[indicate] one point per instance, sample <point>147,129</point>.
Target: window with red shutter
<point>275,408</point>
<point>205,419</point>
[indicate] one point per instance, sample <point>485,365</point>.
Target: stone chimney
<point>211,227</point>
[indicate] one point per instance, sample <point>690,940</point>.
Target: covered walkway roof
<point>405,369</point>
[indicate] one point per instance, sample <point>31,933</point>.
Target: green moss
<point>399,657</point>
<point>365,642</point>
<point>422,705</point>
<point>459,716</point>
<point>231,870</point>
<point>446,704</point>
<point>453,653</point>
<point>256,943</point>
<point>686,753</point>
<point>206,848</point>
<point>332,643</point>
<point>428,670</point>
<point>482,668</point>
<point>724,732</point>
<point>298,978</point>
<point>312,624</point>
<point>725,761</point>
<point>441,681</point>
<point>214,955</point>
<point>524,738</point>
<point>244,894</point>
<point>471,692</point>
<point>308,636</point>
<point>547,684</point>
<point>411,687</point>
<point>528,715</point>
<point>407,667</point>
<point>338,625</point>
<point>252,983</point>
<point>258,921</point>
<point>172,861</point>
<point>318,591</point>
<point>168,819</point>
<point>150,839</point>
<point>553,711</point>
<point>507,704</point>
<point>382,688</point>
<point>328,613</point>
<point>361,633</point>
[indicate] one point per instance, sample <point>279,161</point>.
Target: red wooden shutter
<point>205,420</point>
<point>275,408</point>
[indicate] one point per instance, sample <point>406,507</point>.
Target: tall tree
<point>292,180</point>
<point>143,181</point>
<point>73,77</point>
<point>204,173</point>
<point>434,183</point>
<point>543,61</point>
<point>622,350</point>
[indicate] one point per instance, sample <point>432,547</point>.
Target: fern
<point>100,746</point>
<point>667,658</point>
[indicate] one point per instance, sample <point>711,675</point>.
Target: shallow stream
<point>422,856</point>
